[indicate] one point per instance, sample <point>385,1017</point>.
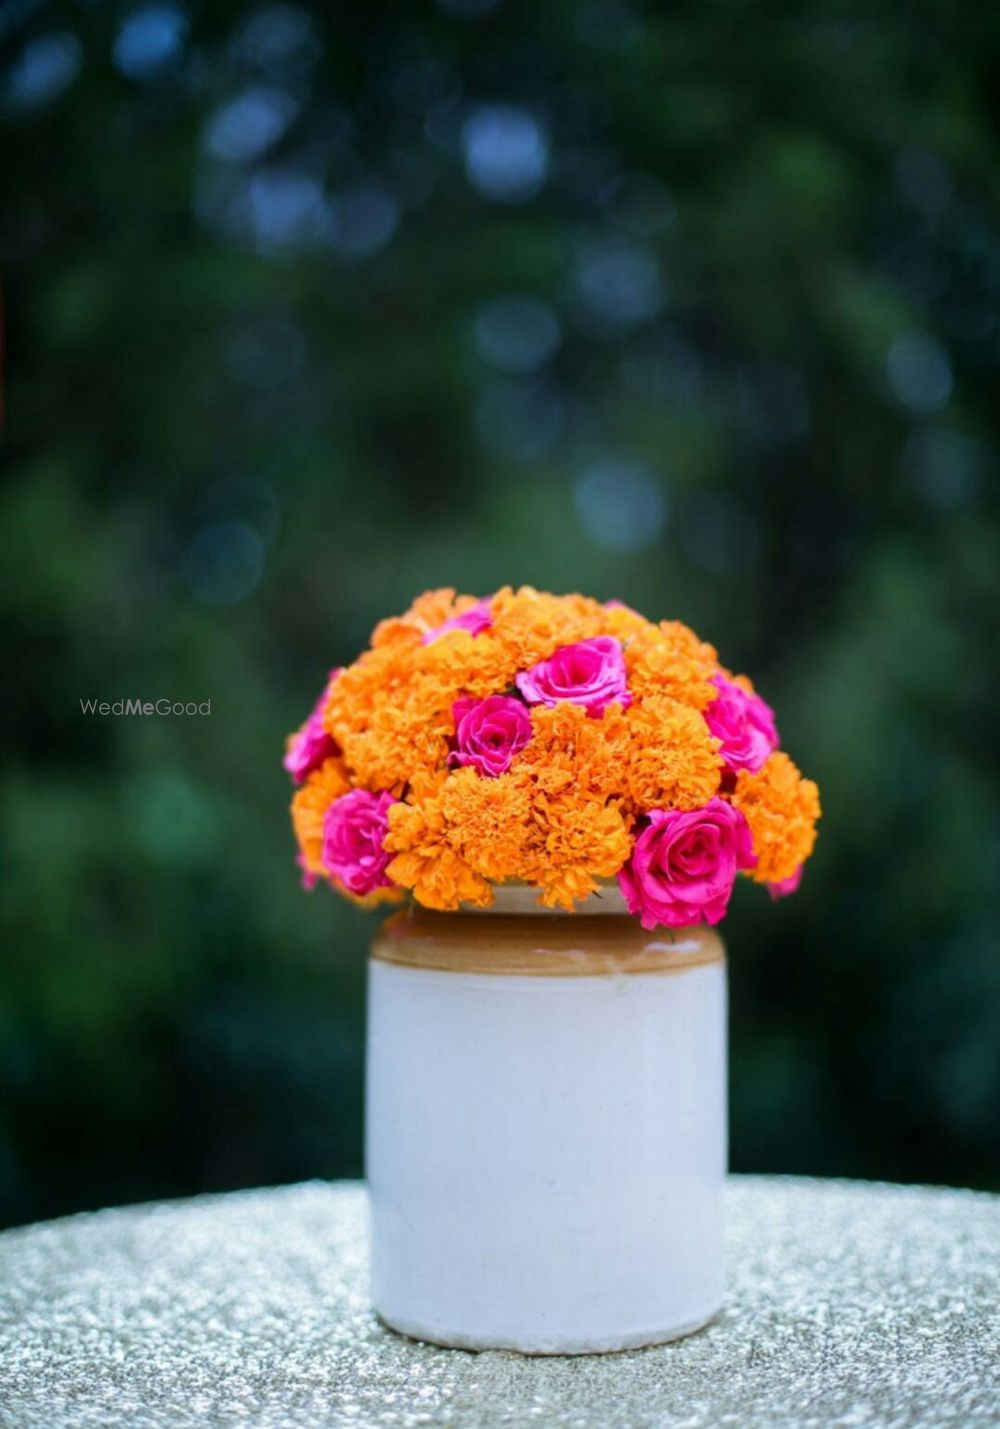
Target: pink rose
<point>590,673</point>
<point>475,620</point>
<point>488,733</point>
<point>311,745</point>
<point>783,886</point>
<point>354,827</point>
<point>744,723</point>
<point>684,864</point>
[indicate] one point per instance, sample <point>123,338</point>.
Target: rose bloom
<point>354,828</point>
<point>489,732</point>
<point>744,723</point>
<point>475,620</point>
<point>590,673</point>
<point>684,865</point>
<point>312,745</point>
<point>782,887</point>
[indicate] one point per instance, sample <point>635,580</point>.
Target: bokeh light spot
<point>506,153</point>
<point>946,467</point>
<point>249,125</point>
<point>249,499</point>
<point>919,372</point>
<point>621,505</point>
<point>44,69</point>
<point>224,562</point>
<point>620,283</point>
<point>516,333</point>
<point>149,39</point>
<point>173,822</point>
<point>287,209</point>
<point>278,38</point>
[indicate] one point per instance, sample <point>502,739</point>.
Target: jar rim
<point>514,899</point>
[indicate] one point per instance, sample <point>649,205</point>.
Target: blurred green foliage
<point>309,310</point>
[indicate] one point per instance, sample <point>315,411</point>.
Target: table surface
<point>849,1304</point>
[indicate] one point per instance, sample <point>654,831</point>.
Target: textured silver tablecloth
<point>849,1304</point>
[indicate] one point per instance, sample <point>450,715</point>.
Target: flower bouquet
<point>546,1110</point>
<point>551,741</point>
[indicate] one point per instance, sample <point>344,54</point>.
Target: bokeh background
<point>310,309</point>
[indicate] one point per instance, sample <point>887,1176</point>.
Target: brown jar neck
<point>535,943</point>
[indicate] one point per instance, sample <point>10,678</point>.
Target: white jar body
<point>546,1154</point>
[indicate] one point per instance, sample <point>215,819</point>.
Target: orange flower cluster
<point>526,737</point>
<point>781,808</point>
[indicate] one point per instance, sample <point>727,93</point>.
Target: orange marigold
<point>490,822</point>
<point>531,624</point>
<point>585,841</point>
<point>624,623</point>
<point>427,613</point>
<point>389,718</point>
<point>671,660</point>
<point>310,804</point>
<point>781,808</point>
<point>426,861</point>
<point>464,664</point>
<point>571,751</point>
<point>673,760</point>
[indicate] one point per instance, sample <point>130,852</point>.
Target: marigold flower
<point>674,759</point>
<point>531,625</point>
<point>586,841</point>
<point>425,860</point>
<point>491,822</point>
<point>570,751</point>
<point>781,808</point>
<point>309,807</point>
<point>669,659</point>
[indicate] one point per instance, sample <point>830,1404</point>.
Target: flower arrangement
<point>548,740</point>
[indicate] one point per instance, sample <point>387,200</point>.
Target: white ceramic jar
<point>546,1128</point>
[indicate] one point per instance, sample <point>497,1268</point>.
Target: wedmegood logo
<point>145,707</point>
